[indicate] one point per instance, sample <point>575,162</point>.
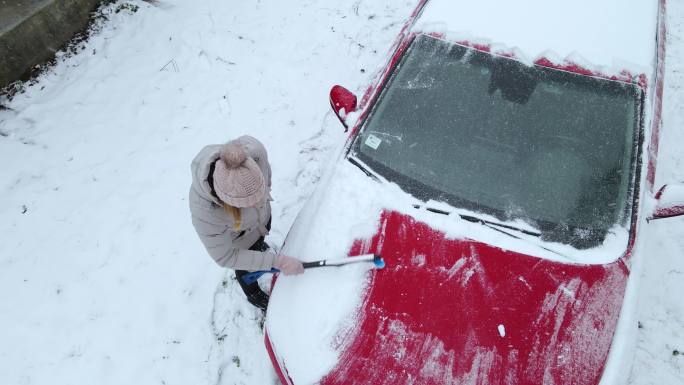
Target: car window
<point>489,133</point>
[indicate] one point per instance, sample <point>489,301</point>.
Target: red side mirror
<point>670,202</point>
<point>342,102</point>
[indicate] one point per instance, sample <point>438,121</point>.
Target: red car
<point>505,194</point>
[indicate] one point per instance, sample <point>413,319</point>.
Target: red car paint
<point>280,370</point>
<point>342,101</point>
<point>666,212</point>
<point>432,315</point>
<point>669,212</point>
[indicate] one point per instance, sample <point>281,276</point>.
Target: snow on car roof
<point>612,34</point>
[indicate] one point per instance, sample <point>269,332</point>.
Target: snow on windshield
<point>609,33</point>
<point>492,135</point>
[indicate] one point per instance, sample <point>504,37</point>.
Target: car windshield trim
<point>426,192</point>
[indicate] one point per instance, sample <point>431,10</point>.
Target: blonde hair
<point>235,212</point>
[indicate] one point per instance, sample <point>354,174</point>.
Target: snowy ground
<point>660,347</point>
<point>103,278</point>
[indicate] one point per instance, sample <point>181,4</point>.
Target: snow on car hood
<point>608,33</point>
<point>310,315</point>
<point>456,311</point>
<point>307,312</point>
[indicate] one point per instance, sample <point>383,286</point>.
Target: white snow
<point>661,309</point>
<point>673,195</point>
<point>502,330</point>
<point>393,198</point>
<point>103,278</point>
<point>309,342</point>
<point>611,33</point>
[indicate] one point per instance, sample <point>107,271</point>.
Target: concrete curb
<point>32,31</point>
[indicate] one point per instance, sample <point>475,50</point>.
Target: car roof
<point>612,34</point>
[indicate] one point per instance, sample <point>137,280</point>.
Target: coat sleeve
<point>217,240</point>
<point>213,226</point>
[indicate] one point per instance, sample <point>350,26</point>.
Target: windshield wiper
<point>493,225</point>
<point>468,218</point>
<point>474,219</point>
<point>363,167</point>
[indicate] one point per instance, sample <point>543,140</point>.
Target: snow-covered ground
<point>659,356</point>
<point>103,279</point>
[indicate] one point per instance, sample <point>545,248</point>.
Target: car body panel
<point>450,311</point>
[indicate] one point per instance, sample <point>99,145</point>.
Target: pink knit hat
<point>238,180</point>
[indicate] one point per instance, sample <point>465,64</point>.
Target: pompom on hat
<point>238,180</point>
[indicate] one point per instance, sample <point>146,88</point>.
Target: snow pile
<point>673,195</point>
<point>611,34</point>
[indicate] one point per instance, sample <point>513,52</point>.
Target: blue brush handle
<point>252,277</point>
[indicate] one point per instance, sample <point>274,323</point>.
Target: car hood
<point>444,310</point>
<point>448,311</point>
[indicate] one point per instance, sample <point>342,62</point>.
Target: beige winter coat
<point>216,227</point>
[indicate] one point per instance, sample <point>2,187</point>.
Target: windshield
<point>490,134</point>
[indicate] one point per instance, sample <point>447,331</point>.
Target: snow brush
<point>376,259</point>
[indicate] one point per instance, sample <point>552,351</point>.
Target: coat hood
<point>200,171</point>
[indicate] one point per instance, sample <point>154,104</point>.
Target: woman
<point>231,212</point>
